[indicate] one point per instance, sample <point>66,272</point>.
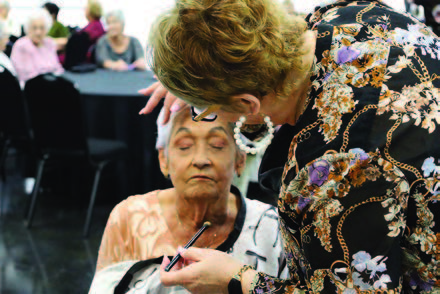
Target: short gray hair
<point>5,4</point>
<point>39,13</point>
<point>164,130</point>
<point>118,14</point>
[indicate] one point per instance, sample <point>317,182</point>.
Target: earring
<point>262,144</point>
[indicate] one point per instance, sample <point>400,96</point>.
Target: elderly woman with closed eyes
<point>200,159</point>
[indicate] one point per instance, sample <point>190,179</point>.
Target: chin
<point>201,193</point>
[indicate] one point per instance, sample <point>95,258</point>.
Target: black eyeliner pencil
<point>189,244</point>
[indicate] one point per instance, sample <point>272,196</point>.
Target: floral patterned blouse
<point>358,197</point>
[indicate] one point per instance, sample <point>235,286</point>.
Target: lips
<point>201,177</point>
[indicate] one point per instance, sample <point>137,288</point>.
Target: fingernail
<point>175,108</point>
<point>180,250</point>
<point>165,262</point>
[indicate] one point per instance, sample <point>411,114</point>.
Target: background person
<point>58,30</point>
<point>117,51</point>
<point>36,53</point>
<point>358,180</point>
<point>12,26</point>
<point>4,39</point>
<point>200,159</point>
<point>93,13</point>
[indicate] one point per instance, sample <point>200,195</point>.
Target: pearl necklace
<point>261,145</point>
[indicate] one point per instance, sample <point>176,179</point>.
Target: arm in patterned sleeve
<point>343,217</point>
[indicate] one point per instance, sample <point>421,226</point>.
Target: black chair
<point>14,125</point>
<point>55,112</point>
<point>77,47</point>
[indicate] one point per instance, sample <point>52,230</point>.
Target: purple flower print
<point>347,54</point>
<point>383,26</point>
<point>302,202</point>
<point>359,154</point>
<point>318,172</point>
<point>417,283</point>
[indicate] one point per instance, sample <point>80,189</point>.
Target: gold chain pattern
<point>423,78</point>
<point>424,69</point>
<point>344,216</point>
<point>305,229</point>
<point>297,138</point>
<point>323,34</point>
<point>390,158</point>
<point>362,12</point>
<point>355,117</point>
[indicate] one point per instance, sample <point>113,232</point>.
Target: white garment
<point>12,27</point>
<point>6,63</point>
<point>259,245</point>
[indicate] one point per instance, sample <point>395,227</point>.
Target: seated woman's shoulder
<point>135,203</point>
<point>135,199</point>
<point>258,208</point>
<point>141,201</point>
<point>49,42</point>
<point>134,39</point>
<point>22,43</point>
<point>102,39</point>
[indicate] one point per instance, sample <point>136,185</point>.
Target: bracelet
<point>244,268</point>
<point>234,286</point>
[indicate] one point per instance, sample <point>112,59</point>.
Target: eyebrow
<point>211,131</point>
<point>216,129</point>
<point>182,129</point>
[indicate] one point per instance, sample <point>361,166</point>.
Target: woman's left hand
<point>209,271</point>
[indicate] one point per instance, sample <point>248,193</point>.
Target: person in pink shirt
<point>36,53</point>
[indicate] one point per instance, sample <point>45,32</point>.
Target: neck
<point>297,98</point>
<point>37,44</point>
<point>193,212</point>
<point>117,39</point>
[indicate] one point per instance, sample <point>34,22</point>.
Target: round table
<point>107,83</point>
<point>111,105</point>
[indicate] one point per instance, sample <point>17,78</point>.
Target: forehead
<point>37,21</point>
<point>112,18</point>
<point>201,128</point>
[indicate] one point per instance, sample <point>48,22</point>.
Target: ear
<point>249,103</point>
<point>163,162</point>
<point>240,162</point>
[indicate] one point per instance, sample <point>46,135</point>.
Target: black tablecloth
<point>111,105</point>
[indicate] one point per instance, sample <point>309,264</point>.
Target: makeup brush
<point>190,243</point>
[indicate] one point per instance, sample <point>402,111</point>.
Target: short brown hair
<point>206,51</point>
<point>95,9</point>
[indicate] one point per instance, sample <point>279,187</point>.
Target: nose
<point>201,159</point>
